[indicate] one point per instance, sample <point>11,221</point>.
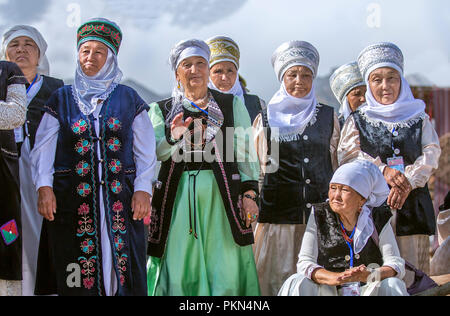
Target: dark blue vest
<point>417,214</point>
<point>304,173</point>
<point>75,236</point>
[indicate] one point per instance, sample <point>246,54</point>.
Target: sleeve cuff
<point>44,182</point>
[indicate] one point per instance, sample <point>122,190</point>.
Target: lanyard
<point>32,84</point>
<point>392,142</point>
<point>349,241</point>
<point>196,106</point>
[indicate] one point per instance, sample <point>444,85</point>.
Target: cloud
<point>13,12</point>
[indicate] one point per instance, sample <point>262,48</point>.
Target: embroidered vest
<point>304,173</point>
<point>75,234</point>
<point>226,175</point>
<point>332,246</point>
<point>417,215</point>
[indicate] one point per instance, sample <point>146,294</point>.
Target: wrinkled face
<point>357,97</point>
<point>343,199</point>
<point>92,56</point>
<point>385,84</point>
<point>24,52</point>
<point>224,75</point>
<point>298,81</point>
<point>193,73</point>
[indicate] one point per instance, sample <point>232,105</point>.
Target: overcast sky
<point>339,29</point>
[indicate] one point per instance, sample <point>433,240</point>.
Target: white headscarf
<point>402,113</point>
<point>291,115</point>
<point>43,67</point>
<point>366,179</point>
<point>89,90</point>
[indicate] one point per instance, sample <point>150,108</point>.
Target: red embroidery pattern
<point>79,127</point>
<point>82,146</point>
<point>114,124</point>
<point>118,221</point>
<point>114,144</point>
<point>115,166</point>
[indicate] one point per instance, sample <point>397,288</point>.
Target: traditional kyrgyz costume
<point>225,49</point>
<point>95,146</point>
<point>38,92</point>
<point>199,243</point>
<point>326,245</point>
<point>342,81</point>
<point>12,114</point>
<point>296,140</point>
<point>383,134</point>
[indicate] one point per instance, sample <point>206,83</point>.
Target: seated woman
<point>344,238</point>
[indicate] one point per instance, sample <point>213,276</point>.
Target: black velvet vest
<point>227,177</point>
<point>417,215</point>
<point>36,107</point>
<point>253,105</point>
<point>304,173</point>
<point>332,246</point>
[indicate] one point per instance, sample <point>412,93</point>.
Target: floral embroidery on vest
<point>79,127</point>
<point>85,223</point>
<point>118,221</point>
<point>122,267</point>
<point>116,187</point>
<point>82,146</point>
<point>88,271</point>
<point>115,166</point>
<point>83,168</point>
<point>114,144</point>
<point>114,124</point>
<point>87,246</point>
<point>84,189</point>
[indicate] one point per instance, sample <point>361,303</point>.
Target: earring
<point>179,85</point>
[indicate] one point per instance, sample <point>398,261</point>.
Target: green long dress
<point>213,264</point>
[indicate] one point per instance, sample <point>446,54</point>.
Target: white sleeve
<point>13,110</point>
<point>390,251</point>
<point>44,151</point>
<point>144,149</point>
<point>307,258</point>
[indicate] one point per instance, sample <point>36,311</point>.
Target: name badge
<point>396,163</point>
<point>351,289</point>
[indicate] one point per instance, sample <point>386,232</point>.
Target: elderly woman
<point>347,243</point>
<point>393,131</point>
<point>224,73</point>
<point>296,139</point>
<point>94,162</point>
<point>349,89</point>
<point>12,114</point>
<point>25,46</point>
<point>204,202</point>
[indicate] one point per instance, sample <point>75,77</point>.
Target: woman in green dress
<point>205,198</point>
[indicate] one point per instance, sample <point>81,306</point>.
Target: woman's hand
<point>397,198</point>
<point>396,179</point>
<point>357,274</point>
<point>179,126</point>
<point>250,210</point>
<point>141,205</point>
<point>47,203</point>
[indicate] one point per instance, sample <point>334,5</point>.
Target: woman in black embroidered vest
<point>393,131</point>
<point>25,46</point>
<point>94,161</point>
<point>345,241</point>
<point>296,139</point>
<point>200,234</point>
<point>12,114</point>
<point>224,73</point>
<point>349,88</point>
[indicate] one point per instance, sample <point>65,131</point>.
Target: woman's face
<point>193,73</point>
<point>298,81</point>
<point>92,56</point>
<point>343,199</point>
<point>357,97</point>
<point>24,52</point>
<point>224,75</point>
<point>385,84</point>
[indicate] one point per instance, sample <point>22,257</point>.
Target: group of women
<point>300,204</point>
